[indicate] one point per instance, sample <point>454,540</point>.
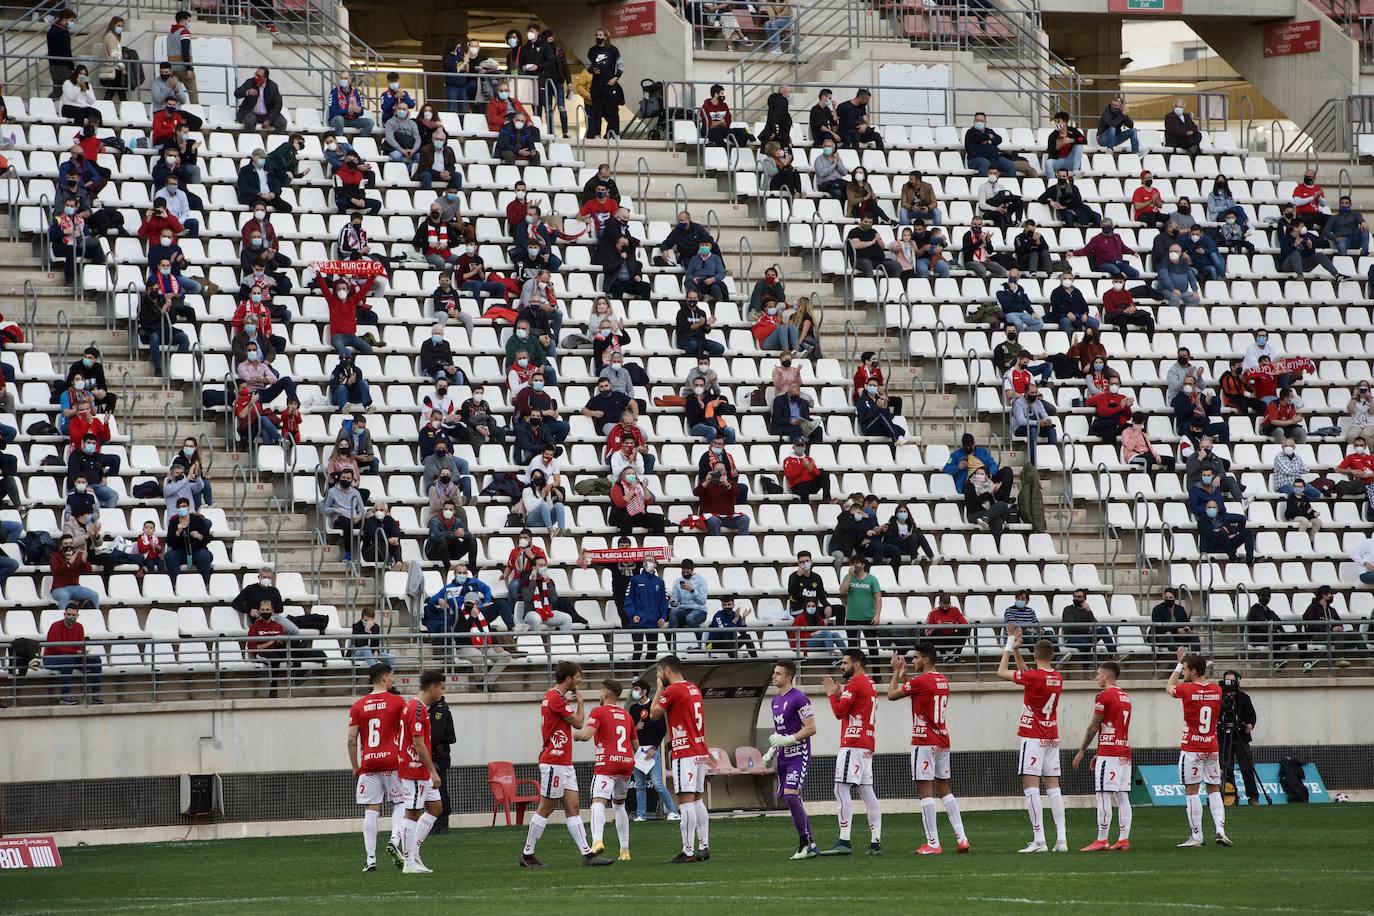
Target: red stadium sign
<point>627,554</point>
<point>1292,38</point>
<point>630,19</point>
<point>29,852</point>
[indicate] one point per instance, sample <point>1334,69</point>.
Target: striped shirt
<point>1023,617</point>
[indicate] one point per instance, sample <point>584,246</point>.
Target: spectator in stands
<point>166,259</point>
<point>114,71</point>
<point>403,140</point>
<point>863,604</point>
<point>1181,370</point>
<point>345,301</point>
<point>449,538</point>
<point>1323,627</point>
<point>65,659</point>
<point>918,201</point>
<point>716,495</point>
<point>462,66</point>
<point>865,249</point>
<point>156,312</point>
<point>1115,126</point>
<point>99,220</point>
<point>790,417</point>
<point>348,389</point>
<point>1147,205</point>
<point>89,367</point>
<point>970,457</point>
<point>436,357</point>
<point>1081,630</point>
<point>804,477</point>
<point>502,108</point>
<point>1020,374</point>
<point>1207,471</point>
<point>1221,204</point>
<point>257,185</point>
<point>351,178</point>
<point>1106,253</point>
<point>1017,310</point>
<point>1237,389</point>
<point>823,123</point>
<point>987,500</point>
<point>829,172</point>
<point>606,406</point>
<point>1172,625</point>
<point>256,374</point>
<point>168,123</point>
<point>900,531</point>
<point>474,278</point>
<point>1360,407</point>
<point>437,162</point>
<point>1289,470</point>
<point>1181,131</point>
<point>185,481</point>
<point>67,565</point>
<point>284,162</point>
<point>343,510</point>
<point>1224,532</point>
<point>780,169</point>
<point>1068,308</point>
<point>1119,308</point>
<point>982,148</point>
<point>254,419</point>
<point>167,84</point>
<point>260,103</point>
<point>157,221</point>
<point>875,414</point>
<point>346,108</point>
<point>1176,281</point>
<point>920,253</point>
<point>1264,627</point>
<point>1112,411</point>
<point>1023,616</point>
<point>433,242</point>
<point>381,538</point>
<point>71,240</point>
<point>811,632</point>
<point>1299,254</point>
<point>1137,449</point>
<point>188,542</point>
<point>978,255</point>
<point>945,628</point>
<point>393,97</point>
<point>542,500</point>
<point>687,602</point>
<point>706,413</point>
<point>1183,215</point>
<point>1196,405</point>
<point>1204,255</point>
<point>686,239</point>
<point>602,176</point>
<point>78,98</point>
<point>440,487</point>
<point>728,634</point>
<point>1030,408</point>
<point>60,58</point>
<point>855,132</point>
<point>997,203</point>
<point>1297,508</point>
<point>705,275</point>
<point>1346,228</point>
<point>1283,418</point>
<point>1309,199</point>
<point>1231,236</point>
<point>718,123</point>
<point>623,273</point>
<point>692,325</point>
<point>366,642</point>
<point>630,501</point>
<point>646,609</point>
<point>1064,147</point>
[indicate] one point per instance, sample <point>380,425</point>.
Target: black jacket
<point>781,420</point>
<point>270,93</point>
<point>801,589</point>
<point>82,465</point>
<point>251,597</point>
<point>849,534</point>
<point>822,120</point>
<point>686,241</point>
<point>781,115</point>
<point>434,356</point>
<point>442,734</point>
<point>179,532</point>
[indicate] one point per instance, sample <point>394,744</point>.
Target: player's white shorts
<point>689,775</point>
<point>1038,757</point>
<point>1111,774</point>
<point>375,788</point>
<point>1194,767</point>
<point>612,787</point>
<point>854,766</point>
<point>416,792</point>
<point>929,762</point>
<point>555,779</point>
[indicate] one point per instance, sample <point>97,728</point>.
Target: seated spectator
<point>100,221</point>
<point>1106,253</point>
<point>1289,470</point>
<point>1181,131</point>
<point>1299,254</point>
<point>918,201</point>
<point>1147,205</point>
<point>791,418</point>
<point>348,388</point>
<point>351,178</point>
<point>1347,229</point>
<point>1064,146</point>
<point>1176,281</point>
<point>1066,203</point>
<point>692,325</point>
<point>921,253</point>
<point>1031,250</point>
<point>970,457</point>
<point>402,143</point>
<point>1206,468</point>
<point>1297,508</point>
<point>1081,630</point>
<point>518,141</point>
<point>1019,376</point>
<point>157,309</point>
<point>1308,200</point>
<point>623,273</point>
<point>346,109</point>
<point>716,496</point>
<point>474,278</point>
<point>829,172</point>
<point>718,122</point>
<point>1016,306</point>
<point>177,204</point>
<point>1023,617</point>
<point>1115,126</point>
<point>433,240</point>
<point>978,255</point>
<point>437,162</point>
<point>436,357</point>
<point>260,103</point>
<point>1120,310</point>
<point>381,538</point>
<point>804,477</point>
<point>1237,390</point>
<point>728,634</point>
<point>393,97</point>
<point>1031,408</point>
<point>1087,356</point>
<point>811,622</point>
<point>987,502</point>
<point>1264,628</point>
<point>772,331</point>
<point>188,542</point>
<point>770,285</point>
<point>1283,418</point>
<point>865,250</point>
<point>856,534</point>
<point>687,602</point>
<point>1112,411</point>
<point>705,275</point>
<point>1068,308</point>
<point>1221,203</point>
<point>627,431</point>
<point>366,642</point>
<point>780,169</point>
<point>1137,449</point>
<point>861,200</point>
<point>1204,255</point>
<point>502,107</point>
<point>1172,627</point>
<point>284,159</point>
<point>855,131</point>
<point>542,502</point>
<point>1225,532</point>
<point>997,203</point>
<point>343,510</point>
<point>150,547</point>
<point>1183,218</point>
<point>71,240</point>
<point>71,657</point>
<point>900,531</point>
<point>78,98</point>
<point>982,148</point>
<point>875,415</point>
<point>253,419</point>
<point>257,375</point>
<point>256,185</point>
<point>1323,627</point>
<point>706,413</point>
<point>822,121</point>
<point>630,501</point>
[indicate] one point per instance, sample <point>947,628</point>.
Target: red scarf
<point>539,597</point>
<point>437,238</point>
<point>480,633</point>
<point>728,461</point>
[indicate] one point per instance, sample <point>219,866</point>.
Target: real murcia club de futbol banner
<point>1163,788</point>
<point>29,852</point>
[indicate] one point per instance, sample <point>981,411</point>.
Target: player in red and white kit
<point>562,711</point>
<point>418,775</point>
<point>376,720</point>
<point>1039,732</point>
<point>614,733</point>
<point>929,692</point>
<point>1198,763</point>
<point>855,709</point>
<point>679,700</point>
<point>1111,724</point>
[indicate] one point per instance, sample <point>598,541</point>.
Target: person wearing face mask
<point>1081,630</point>
<point>1181,131</point>
<point>434,242</point>
<point>1346,228</point>
<point>518,141</point>
<point>1193,403</point>
<point>606,67</point>
<point>438,162</point>
<point>856,534</point>
<point>461,62</point>
<point>1119,309</point>
<point>188,542</point>
<point>830,171</point>
<point>1284,418</point>
<point>89,367</point>
<point>772,331</point>
<point>166,84</point>
<point>1068,308</point>
<point>1225,532</point>
<point>393,96</point>
<point>503,107</point>
<point>1204,254</point>
<point>351,177</point>
<point>284,162</point>
<point>804,477</point>
<point>436,357</point>
<point>156,310</point>
<point>1107,251</point>
<point>346,108</point>
<point>900,531</point>
<point>68,659</point>
<point>630,502</point>
<point>705,275</point>
<point>1030,408</point>
<point>1147,205</point>
<point>790,417</point>
<point>256,374</point>
<point>1115,126</point>
<point>59,46</point>
<point>685,240</point>
<point>876,414</point>
<point>257,185</point>
<point>1176,281</point>
<point>1022,614</point>
<point>344,510</point>
<point>260,103</point>
<point>78,98</point>
<point>716,495</point>
<point>861,200</point>
<point>189,460</point>
<point>449,538</point>
<point>982,148</point>
<point>997,203</point>
<point>87,466</point>
<point>1309,201</point>
<point>718,121</point>
<point>706,413</point>
<point>403,142</point>
<point>1064,146</point>
<point>1017,310</point>
<point>542,503</point>
<point>1112,410</point>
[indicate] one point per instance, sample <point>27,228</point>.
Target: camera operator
<point>1237,722</point>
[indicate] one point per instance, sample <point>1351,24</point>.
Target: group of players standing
<point>395,762</point>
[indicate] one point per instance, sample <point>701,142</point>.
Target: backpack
<point>1291,780</point>
<point>35,547</point>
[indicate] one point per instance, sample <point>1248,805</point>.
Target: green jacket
<point>1031,500</point>
<point>283,158</point>
<point>530,344</point>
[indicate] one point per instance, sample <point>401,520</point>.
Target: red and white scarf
<point>480,633</point>
<point>634,498</point>
<point>539,598</point>
<point>437,238</point>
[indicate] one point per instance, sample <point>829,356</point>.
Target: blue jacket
<point>780,422</point>
<point>339,100</point>
<point>646,601</point>
<point>87,173</point>
<point>515,140</point>
<point>439,618</point>
<point>1013,301</point>
<point>1066,302</point>
<point>1197,502</point>
<point>960,475</point>
<point>389,100</point>
<point>694,599</point>
<point>712,266</point>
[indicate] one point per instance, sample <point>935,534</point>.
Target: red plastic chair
<point>505,790</point>
<point>723,765</point>
<point>750,760</point>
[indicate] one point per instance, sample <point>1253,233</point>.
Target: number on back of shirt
<point>374,733</point>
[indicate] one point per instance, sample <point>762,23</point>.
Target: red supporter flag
<point>363,267</point>
<point>626,554</point>
<point>1285,366</point>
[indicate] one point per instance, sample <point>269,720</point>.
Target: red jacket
<point>269,234</point>
<point>247,307</point>
<point>60,632</point>
<point>716,498</point>
<point>1279,413</point>
<point>268,628</point>
<point>497,111</point>
<point>66,574</point>
<point>941,620</point>
<point>77,427</point>
<point>619,434</point>
<point>1263,384</point>
<point>343,313</point>
<point>165,124</point>
<point>715,114</point>
<point>799,470</point>
<point>153,225</point>
<point>1103,247</point>
<point>1116,301</point>
<point>1111,405</point>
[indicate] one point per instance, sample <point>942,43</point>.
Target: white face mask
<point>1178,110</point>
<point>1174,256</point>
<point>1067,284</point>
<point>379,515</point>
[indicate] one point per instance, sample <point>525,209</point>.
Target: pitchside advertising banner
<point>29,852</point>
<point>1163,788</point>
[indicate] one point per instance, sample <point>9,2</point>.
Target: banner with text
<point>1162,785</point>
<point>29,852</point>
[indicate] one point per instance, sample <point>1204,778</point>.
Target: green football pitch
<point>1286,860</point>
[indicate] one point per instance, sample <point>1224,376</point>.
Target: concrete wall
<point>665,55</point>
<point>172,738</point>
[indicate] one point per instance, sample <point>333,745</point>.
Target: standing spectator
<point>114,72</point>
<point>188,542</point>
<point>65,659</point>
<point>863,604</point>
<point>1115,126</point>
<point>982,148</point>
<point>1181,131</point>
<point>179,53</point>
<point>461,61</point>
<point>346,108</point>
<point>60,61</point>
<point>343,511</point>
<point>646,609</point>
<point>778,120</point>
<point>260,103</point>
<point>605,66</point>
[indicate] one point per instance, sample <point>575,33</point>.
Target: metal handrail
<point>171,429</point>
<point>746,264</point>
<point>850,330</point>
<point>166,344</point>
<point>11,177</point>
<point>30,308</point>
<point>290,456</point>
<point>817,245</point>
<point>642,178</point>
<point>679,200</point>
<point>230,420</point>
<point>276,518</point>
<point>198,392</point>
<point>1276,148</point>
<point>1065,522</point>
<point>941,350</point>
<point>317,549</point>
<point>63,332</point>
<point>914,378</point>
